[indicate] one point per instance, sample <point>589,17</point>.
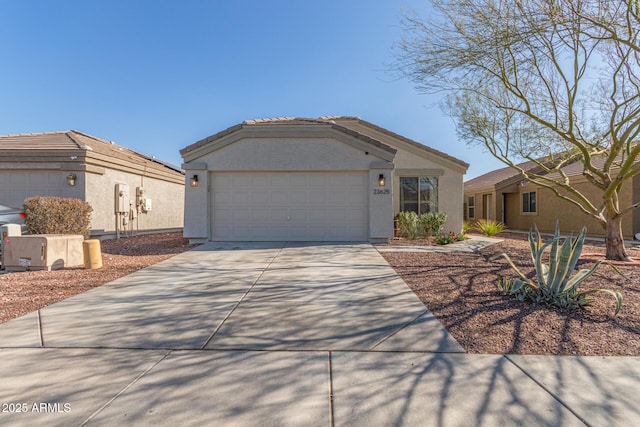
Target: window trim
<point>471,207</point>
<point>419,202</point>
<point>535,203</point>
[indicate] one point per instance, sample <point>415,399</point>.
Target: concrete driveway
<point>281,334</point>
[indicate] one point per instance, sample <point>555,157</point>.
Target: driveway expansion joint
<point>255,282</point>
<point>546,389</point>
<point>125,388</point>
<point>40,336</point>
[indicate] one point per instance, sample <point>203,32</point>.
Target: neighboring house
<point>505,195</point>
<point>326,179</point>
<point>108,176</point>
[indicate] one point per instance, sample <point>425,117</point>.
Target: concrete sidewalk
<point>282,334</point>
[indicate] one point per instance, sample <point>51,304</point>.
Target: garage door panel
<point>280,197</point>
<point>299,196</point>
<point>277,215</point>
<point>18,185</point>
<point>290,206</point>
<point>318,180</point>
<point>222,198</point>
<point>259,216</point>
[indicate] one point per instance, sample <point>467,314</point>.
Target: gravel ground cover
<point>24,292</point>
<point>458,288</point>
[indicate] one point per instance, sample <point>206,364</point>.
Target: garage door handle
<point>288,218</point>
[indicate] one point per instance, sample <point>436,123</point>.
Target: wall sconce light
<point>71,179</point>
<point>381,180</point>
<point>194,181</point>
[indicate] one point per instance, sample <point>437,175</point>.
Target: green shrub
<point>446,239</point>
<point>431,223</point>
<point>408,223</point>
<point>55,215</point>
<point>412,225</point>
<point>555,285</point>
<point>466,226</point>
<point>489,227</point>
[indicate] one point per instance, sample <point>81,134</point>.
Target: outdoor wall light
<point>71,179</point>
<point>381,180</point>
<point>194,181</point>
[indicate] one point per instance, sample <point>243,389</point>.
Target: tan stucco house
<point>327,179</point>
<point>505,195</point>
<point>129,192</point>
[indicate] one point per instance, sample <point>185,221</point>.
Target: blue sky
<point>156,76</point>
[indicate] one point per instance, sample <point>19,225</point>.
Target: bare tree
<point>554,82</point>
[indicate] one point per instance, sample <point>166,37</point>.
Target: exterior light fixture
<point>71,179</point>
<point>381,180</point>
<point>194,181</point>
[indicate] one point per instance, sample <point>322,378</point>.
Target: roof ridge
<point>35,133</point>
<point>91,136</point>
<point>407,140</point>
<point>69,134</point>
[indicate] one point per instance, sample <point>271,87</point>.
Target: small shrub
<point>555,286</point>
<point>55,215</point>
<point>413,226</point>
<point>408,223</point>
<point>445,239</point>
<point>466,226</point>
<point>489,227</point>
<point>431,223</point>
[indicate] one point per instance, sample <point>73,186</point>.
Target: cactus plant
<point>555,284</point>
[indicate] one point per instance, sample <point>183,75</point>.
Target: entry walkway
<point>282,334</point>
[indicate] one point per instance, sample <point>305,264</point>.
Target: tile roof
<point>39,141</point>
<point>507,175</point>
<point>347,120</point>
<point>278,121</point>
<point>496,177</point>
<point>83,143</point>
<point>342,123</point>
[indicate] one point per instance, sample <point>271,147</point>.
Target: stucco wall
<point>450,185</point>
<point>550,208</point>
<point>196,203</point>
<point>308,152</point>
<point>167,201</point>
<point>278,154</point>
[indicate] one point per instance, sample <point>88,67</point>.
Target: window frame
<point>471,207</point>
<point>525,206</point>
<point>434,200</point>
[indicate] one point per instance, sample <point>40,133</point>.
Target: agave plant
<point>489,227</point>
<point>555,285</point>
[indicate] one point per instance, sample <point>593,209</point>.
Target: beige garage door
<point>280,206</point>
<point>17,185</point>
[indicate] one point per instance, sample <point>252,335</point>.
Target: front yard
<point>458,288</point>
